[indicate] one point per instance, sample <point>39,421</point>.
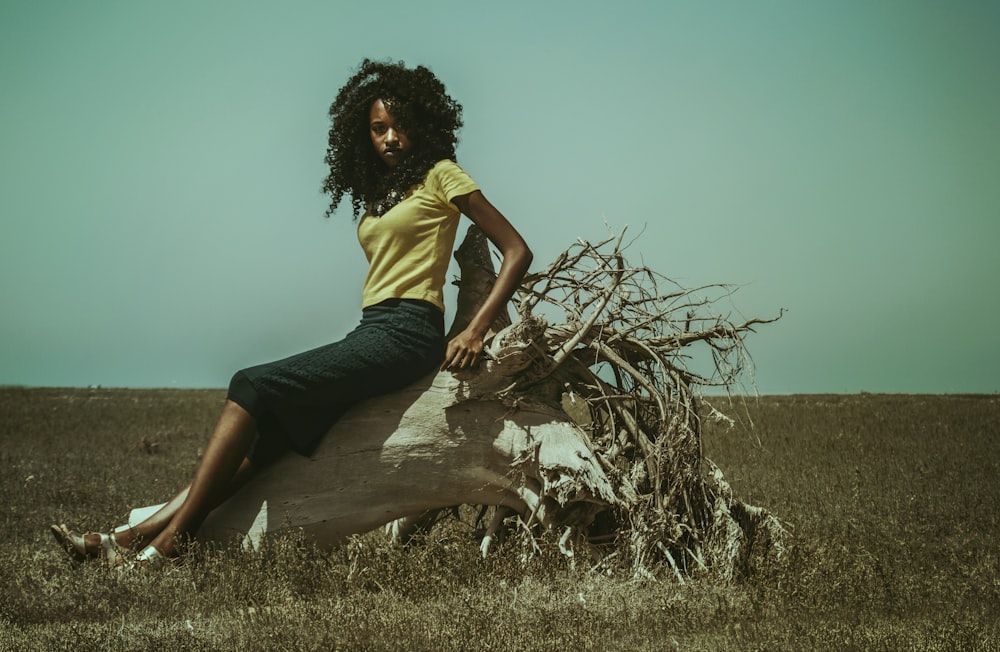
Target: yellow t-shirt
<point>409,247</point>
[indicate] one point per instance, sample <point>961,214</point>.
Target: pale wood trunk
<point>429,446</point>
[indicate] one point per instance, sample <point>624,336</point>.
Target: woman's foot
<point>149,558</point>
<point>88,546</point>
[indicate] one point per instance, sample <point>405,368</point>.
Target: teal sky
<point>161,223</point>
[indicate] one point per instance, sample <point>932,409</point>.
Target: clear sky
<point>161,223</point>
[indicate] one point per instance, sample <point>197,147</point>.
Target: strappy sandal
<point>149,558</point>
<point>75,545</point>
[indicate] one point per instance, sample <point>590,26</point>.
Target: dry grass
<point>891,502</point>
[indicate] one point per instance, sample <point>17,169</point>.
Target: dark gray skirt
<point>297,399</point>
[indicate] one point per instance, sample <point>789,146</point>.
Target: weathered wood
<point>432,445</point>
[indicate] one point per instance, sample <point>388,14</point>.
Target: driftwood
<point>581,420</point>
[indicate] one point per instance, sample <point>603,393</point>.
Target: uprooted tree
<point>582,420</point>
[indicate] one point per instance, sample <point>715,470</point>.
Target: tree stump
<point>580,419</point>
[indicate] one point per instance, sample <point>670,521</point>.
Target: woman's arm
<point>464,349</point>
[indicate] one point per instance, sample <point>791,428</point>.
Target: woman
<point>392,149</point>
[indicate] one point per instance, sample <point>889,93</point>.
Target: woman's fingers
<point>451,357</point>
<point>460,360</point>
<point>459,356</point>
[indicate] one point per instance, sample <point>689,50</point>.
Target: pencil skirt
<point>295,400</point>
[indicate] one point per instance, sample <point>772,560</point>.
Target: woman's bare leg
<point>224,456</point>
<point>144,532</point>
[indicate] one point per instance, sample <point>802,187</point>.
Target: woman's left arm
<point>464,349</point>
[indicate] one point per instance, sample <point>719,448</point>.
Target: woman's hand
<point>463,350</point>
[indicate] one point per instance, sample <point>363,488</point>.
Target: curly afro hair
<point>420,106</point>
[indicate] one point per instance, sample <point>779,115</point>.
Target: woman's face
<point>391,144</point>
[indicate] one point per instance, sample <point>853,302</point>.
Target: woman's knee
<point>243,393</point>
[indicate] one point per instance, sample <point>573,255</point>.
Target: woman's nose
<point>390,136</point>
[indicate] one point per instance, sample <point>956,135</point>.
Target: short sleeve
<point>451,181</point>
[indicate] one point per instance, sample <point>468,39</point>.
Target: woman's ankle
<point>164,545</point>
<point>125,538</point>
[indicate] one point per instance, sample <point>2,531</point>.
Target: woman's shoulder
<point>446,166</point>
<point>447,177</point>
<point>447,169</point>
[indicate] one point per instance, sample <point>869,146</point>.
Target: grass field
<point>891,502</point>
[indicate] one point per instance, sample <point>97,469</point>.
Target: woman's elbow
<point>526,257</point>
